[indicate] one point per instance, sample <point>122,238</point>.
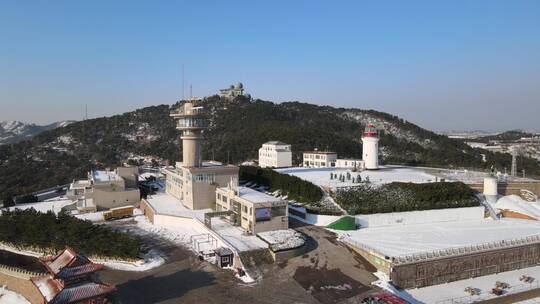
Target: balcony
<point>190,123</point>
<point>181,111</point>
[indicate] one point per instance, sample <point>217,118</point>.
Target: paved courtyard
<point>327,273</point>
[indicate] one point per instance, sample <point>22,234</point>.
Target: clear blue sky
<point>443,65</point>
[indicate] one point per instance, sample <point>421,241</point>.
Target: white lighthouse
<point>370,148</point>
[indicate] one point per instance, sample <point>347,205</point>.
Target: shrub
<point>47,231</point>
<point>295,188</point>
<point>399,197</point>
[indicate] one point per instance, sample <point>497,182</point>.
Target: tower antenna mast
<point>183,97</point>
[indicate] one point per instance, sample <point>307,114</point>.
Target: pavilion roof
<point>55,292</point>
<point>65,259</point>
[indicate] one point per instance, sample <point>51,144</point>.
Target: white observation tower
<point>370,147</point>
<point>191,122</point>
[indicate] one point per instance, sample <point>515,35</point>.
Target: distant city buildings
<point>232,91</point>
<point>275,154</point>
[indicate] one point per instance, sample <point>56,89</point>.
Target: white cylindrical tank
<point>370,148</point>
<point>490,186</point>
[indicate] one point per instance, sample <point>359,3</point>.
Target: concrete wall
<point>420,217</point>
<point>377,261</point>
<point>450,269</point>
<point>147,210</point>
<point>19,282</point>
<point>510,188</point>
<point>285,255</point>
<point>112,199</point>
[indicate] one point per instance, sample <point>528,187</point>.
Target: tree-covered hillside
<point>237,130</point>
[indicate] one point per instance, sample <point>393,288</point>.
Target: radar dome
<point>239,86</point>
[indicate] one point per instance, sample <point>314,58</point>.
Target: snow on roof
<point>167,204</point>
<point>276,143</point>
<point>105,176</point>
<point>283,239</point>
<point>394,241</point>
<point>517,204</point>
<point>321,152</point>
<point>255,196</point>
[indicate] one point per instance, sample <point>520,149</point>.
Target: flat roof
<point>320,152</point>
<point>403,240</point>
<point>105,176</point>
<point>255,196</point>
<point>276,142</point>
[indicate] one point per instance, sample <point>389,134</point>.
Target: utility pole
<point>513,171</point>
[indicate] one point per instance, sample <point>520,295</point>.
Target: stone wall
<point>467,266</point>
<point>18,280</point>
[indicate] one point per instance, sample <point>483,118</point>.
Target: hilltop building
<point>319,159</point>
<point>275,154</point>
<point>106,189</point>
<point>71,279</point>
<point>370,148</point>
<point>232,91</point>
<point>350,163</point>
<point>193,181</point>
<point>254,211</point>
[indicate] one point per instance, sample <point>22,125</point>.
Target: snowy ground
<point>321,176</point>
<point>456,290</point>
<point>410,239</point>
<point>178,235</point>
<point>10,297</point>
<point>236,236</point>
<point>167,204</point>
<point>152,259</point>
<point>95,217</point>
<point>55,205</point>
<point>283,239</point>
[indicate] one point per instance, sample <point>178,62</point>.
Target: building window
<point>205,178</point>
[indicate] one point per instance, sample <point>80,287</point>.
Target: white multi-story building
<point>275,154</point>
<point>319,159</point>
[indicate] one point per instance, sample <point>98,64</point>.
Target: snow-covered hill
<point>15,131</point>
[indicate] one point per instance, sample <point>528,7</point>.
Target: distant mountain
<point>512,135</point>
<point>15,131</point>
<point>236,131</point>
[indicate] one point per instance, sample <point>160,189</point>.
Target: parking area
<point>327,273</point>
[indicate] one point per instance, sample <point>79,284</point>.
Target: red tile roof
<point>63,260</point>
<point>54,291</point>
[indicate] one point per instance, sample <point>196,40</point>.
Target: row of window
<point>317,156</point>
<point>208,178</point>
